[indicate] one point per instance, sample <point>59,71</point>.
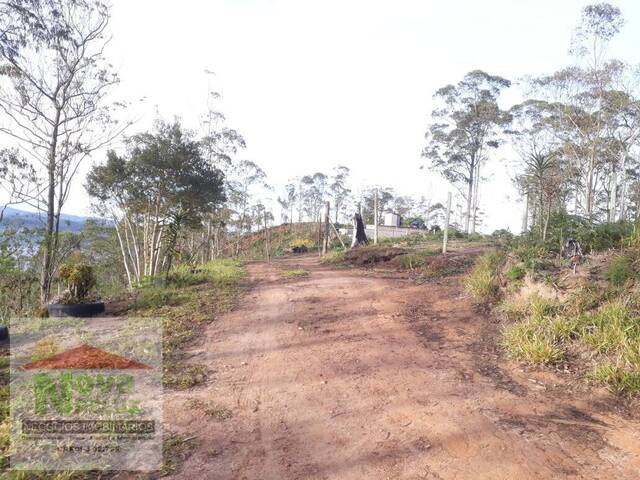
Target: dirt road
<point>346,374</point>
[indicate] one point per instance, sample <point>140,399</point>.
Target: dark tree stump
<point>359,234</point>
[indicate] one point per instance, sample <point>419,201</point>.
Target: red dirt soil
<point>343,374</point>
<point>85,357</point>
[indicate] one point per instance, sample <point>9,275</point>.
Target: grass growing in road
<point>295,273</point>
<point>175,449</point>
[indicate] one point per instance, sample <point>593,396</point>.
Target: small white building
<point>391,219</point>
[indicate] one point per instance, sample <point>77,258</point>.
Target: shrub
<point>502,234</point>
<point>482,283</point>
<point>474,237</point>
<point>531,255</point>
<point>79,279</point>
<point>604,236</point>
<point>301,242</point>
<point>620,270</point>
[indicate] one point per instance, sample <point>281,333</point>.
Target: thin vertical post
<point>525,217</point>
<point>266,237</point>
<point>325,242</point>
<point>375,218</point>
<point>445,237</point>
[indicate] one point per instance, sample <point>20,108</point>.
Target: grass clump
<point>617,379</point>
<point>210,410</point>
<point>530,342</point>
<point>482,283</point>
<point>175,450</point>
<point>515,273</point>
<point>538,332</point>
<point>295,273</point>
<point>409,261</point>
<point>333,258</point>
<point>620,270</point>
<point>614,328</point>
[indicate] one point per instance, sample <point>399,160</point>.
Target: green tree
<point>339,190</point>
<point>463,129</point>
<point>53,96</point>
<point>160,186</point>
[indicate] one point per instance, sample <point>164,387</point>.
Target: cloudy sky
<point>313,84</point>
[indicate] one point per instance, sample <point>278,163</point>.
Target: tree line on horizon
<point>176,195</point>
<point>575,134</point>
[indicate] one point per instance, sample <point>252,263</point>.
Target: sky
<point>314,84</point>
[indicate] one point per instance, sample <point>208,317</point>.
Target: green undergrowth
<point>187,300</point>
<point>589,320</point>
<point>547,332</point>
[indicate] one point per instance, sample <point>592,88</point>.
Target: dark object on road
<point>4,332</point>
<point>359,234</point>
<point>573,251</point>
<point>75,309</point>
<point>299,249</point>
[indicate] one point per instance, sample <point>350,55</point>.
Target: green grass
<point>190,299</point>
<point>543,332</point>
<point>537,334</point>
<point>295,273</point>
<point>515,273</point>
<point>333,258</point>
<point>620,270</point>
<point>530,342</point>
<point>482,283</point>
<point>414,260</point>
<point>618,379</point>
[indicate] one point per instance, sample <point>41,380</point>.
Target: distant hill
<point>16,219</point>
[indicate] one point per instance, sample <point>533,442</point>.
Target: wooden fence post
<point>445,237</point>
<point>325,241</point>
<point>375,218</point>
<point>266,237</point>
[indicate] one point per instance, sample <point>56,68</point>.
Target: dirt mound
<point>372,255</point>
<point>85,357</point>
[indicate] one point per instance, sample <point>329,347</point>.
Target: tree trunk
<point>623,188</point>
<point>467,219</point>
<point>525,218</point>
<point>359,234</point>
<point>47,250</point>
